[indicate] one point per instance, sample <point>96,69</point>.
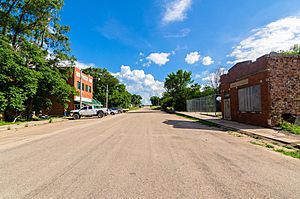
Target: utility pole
<point>80,88</point>
<point>107,96</point>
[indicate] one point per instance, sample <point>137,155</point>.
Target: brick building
<point>261,92</point>
<point>87,93</point>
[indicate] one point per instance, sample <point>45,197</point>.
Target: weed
<point>288,147</point>
<point>292,128</point>
<point>294,154</point>
<point>256,143</point>
<point>26,125</point>
<point>51,120</point>
<point>275,143</point>
<point>9,128</point>
<point>270,146</point>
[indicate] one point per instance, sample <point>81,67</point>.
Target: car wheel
<point>112,113</point>
<point>100,115</point>
<point>76,116</point>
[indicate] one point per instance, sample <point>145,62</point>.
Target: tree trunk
<point>29,113</point>
<point>17,30</point>
<point>4,30</point>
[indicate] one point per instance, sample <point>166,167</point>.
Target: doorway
<point>227,110</point>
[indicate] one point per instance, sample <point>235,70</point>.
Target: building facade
<point>262,92</point>
<point>79,81</point>
<point>86,86</point>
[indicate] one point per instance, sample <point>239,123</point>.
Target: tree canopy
<point>179,88</point>
<point>33,46</point>
<point>155,100</point>
<point>118,94</point>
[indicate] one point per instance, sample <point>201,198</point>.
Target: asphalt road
<point>145,154</point>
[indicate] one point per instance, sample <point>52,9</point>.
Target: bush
<point>295,129</point>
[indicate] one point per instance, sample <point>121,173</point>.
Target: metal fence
<point>205,105</point>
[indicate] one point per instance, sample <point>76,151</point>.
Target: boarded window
<point>250,99</point>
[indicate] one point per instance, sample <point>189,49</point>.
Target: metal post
<point>80,88</point>
<point>107,96</point>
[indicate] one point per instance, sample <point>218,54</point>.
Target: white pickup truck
<point>89,111</point>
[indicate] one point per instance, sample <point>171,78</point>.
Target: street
<point>142,154</point>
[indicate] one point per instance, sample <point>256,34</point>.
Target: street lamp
<point>80,88</point>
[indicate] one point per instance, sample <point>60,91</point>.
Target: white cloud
<point>202,75</point>
<point>176,10</point>
<point>276,36</point>
<point>192,57</point>
<point>137,82</point>
<point>82,65</point>
<point>158,58</point>
<point>207,61</point>
<point>180,34</point>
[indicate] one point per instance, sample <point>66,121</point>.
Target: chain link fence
<point>209,105</point>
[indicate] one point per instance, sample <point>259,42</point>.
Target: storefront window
<point>250,99</point>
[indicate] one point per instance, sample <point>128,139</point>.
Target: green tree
<point>136,100</point>
<point>294,50</point>
<point>102,79</point>
<point>155,100</point>
<point>33,46</point>
<point>19,82</point>
<point>118,95</point>
<point>177,86</point>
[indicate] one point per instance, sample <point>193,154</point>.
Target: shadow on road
<point>189,125</point>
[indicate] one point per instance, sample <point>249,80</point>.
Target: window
<point>84,108</point>
<point>250,99</point>
<point>90,108</point>
<point>78,85</point>
<point>90,89</point>
<point>86,88</point>
<point>83,86</point>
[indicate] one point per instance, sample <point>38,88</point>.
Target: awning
<point>94,102</point>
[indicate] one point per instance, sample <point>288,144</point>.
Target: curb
<point>295,144</point>
<point>15,127</point>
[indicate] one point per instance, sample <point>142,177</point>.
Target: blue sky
<point>141,42</point>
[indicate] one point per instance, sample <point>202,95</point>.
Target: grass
<point>285,150</point>
<point>5,123</point>
<point>270,146</point>
<point>134,108</point>
<point>292,128</point>
<point>256,143</point>
<point>294,153</point>
<point>155,107</point>
<point>2,123</point>
<point>204,122</point>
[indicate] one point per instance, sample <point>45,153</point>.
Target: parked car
<point>88,111</point>
<point>118,110</point>
<point>113,111</point>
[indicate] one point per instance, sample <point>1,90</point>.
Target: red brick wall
<point>261,118</point>
<point>279,77</point>
<point>57,109</point>
<point>85,80</point>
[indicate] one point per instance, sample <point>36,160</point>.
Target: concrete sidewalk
<point>28,124</point>
<point>257,131</point>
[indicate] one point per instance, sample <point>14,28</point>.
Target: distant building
<point>262,92</point>
<point>87,93</point>
<point>87,86</point>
